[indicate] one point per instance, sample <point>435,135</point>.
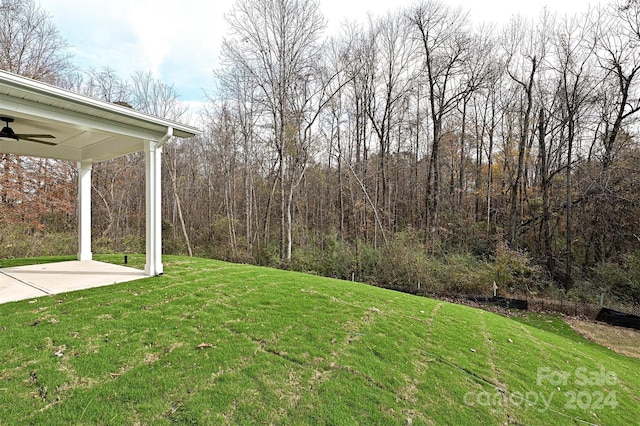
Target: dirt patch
<point>409,391</point>
<point>625,341</point>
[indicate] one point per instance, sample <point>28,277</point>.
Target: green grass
<point>290,348</point>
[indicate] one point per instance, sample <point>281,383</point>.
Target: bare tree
<point>276,43</point>
<point>573,64</point>
<point>479,72</point>
<point>152,96</point>
<point>394,70</point>
<point>443,34</point>
<point>617,37</point>
<point>525,46</point>
<point>616,33</point>
<point>358,58</point>
<point>105,84</point>
<point>30,44</point>
<point>238,93</point>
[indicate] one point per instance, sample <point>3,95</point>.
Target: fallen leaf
<point>204,345</point>
<point>510,341</point>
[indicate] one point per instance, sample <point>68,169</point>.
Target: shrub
<point>23,241</point>
<point>619,282</point>
<point>464,274</point>
<point>514,271</point>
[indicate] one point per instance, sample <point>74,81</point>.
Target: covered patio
<point>87,131</point>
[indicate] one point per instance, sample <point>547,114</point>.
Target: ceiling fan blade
<point>28,135</point>
<point>37,141</point>
<point>8,132</point>
<point>8,135</point>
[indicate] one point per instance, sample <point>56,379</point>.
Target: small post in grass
<point>126,259</point>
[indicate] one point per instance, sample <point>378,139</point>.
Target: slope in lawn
<point>213,342</point>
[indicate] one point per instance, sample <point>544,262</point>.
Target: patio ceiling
<point>88,131</point>
<point>85,129</point>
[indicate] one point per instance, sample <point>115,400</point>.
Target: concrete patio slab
<point>32,281</point>
<point>12,289</point>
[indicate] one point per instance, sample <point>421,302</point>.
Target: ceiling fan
<point>7,132</point>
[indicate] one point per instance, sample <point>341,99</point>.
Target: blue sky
<point>178,41</point>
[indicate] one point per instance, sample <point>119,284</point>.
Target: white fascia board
<point>49,94</point>
<point>78,120</point>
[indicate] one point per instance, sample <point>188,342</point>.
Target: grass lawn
<point>218,343</point>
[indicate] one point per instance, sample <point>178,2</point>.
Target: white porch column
<point>153,208</point>
<point>84,217</point>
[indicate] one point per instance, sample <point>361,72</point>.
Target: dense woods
<point>416,149</point>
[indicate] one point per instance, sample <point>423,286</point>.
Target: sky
<point>179,42</point>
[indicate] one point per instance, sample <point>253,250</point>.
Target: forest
<point>415,150</point>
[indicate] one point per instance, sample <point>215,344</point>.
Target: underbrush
<point>619,281</point>
<point>406,265</point>
<point>18,242</point>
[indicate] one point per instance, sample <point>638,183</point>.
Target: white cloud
<point>150,23</point>
<point>97,33</point>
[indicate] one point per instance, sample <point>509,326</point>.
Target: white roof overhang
<point>85,129</point>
